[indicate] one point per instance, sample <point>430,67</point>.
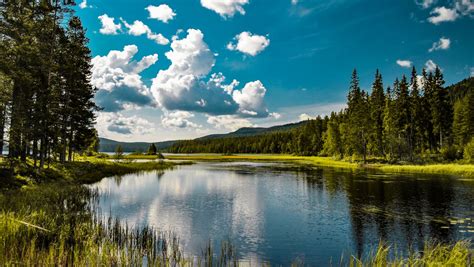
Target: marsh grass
<point>61,226</point>
<point>465,170</point>
<point>459,254</point>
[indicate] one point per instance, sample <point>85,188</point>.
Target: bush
<point>469,151</point>
<point>102,156</point>
<point>450,153</point>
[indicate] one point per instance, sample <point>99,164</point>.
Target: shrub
<point>469,151</point>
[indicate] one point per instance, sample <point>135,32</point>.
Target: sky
<point>180,69</point>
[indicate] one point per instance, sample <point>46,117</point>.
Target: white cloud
<point>294,2</point>
<point>117,124</point>
<point>430,66</point>
<point>249,44</point>
<point>458,9</point>
<point>117,78</point>
<point>251,99</point>
<point>425,3</point>
<point>108,25</point>
<point>83,4</point>
<point>139,28</point>
<point>162,12</point>
<point>404,63</point>
<point>305,117</point>
<point>442,44</point>
<point>464,7</point>
<point>225,8</point>
<point>229,122</point>
<point>442,14</point>
<point>182,85</point>
<point>178,119</point>
<point>472,72</point>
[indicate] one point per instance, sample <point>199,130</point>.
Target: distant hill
<point>252,131</point>
<point>108,145</point>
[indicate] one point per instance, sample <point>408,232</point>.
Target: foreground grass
<point>459,254</point>
<point>94,243</point>
<point>465,170</point>
<point>43,239</point>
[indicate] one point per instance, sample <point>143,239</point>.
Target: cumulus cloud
<point>459,8</point>
<point>116,123</point>
<point>229,122</point>
<point>162,13</point>
<point>178,119</point>
<point>108,25</point>
<point>249,44</point>
<point>442,14</point>
<point>117,78</point>
<point>430,66</point>
<point>139,28</point>
<point>404,63</point>
<point>182,85</point>
<point>294,2</point>
<point>251,99</point>
<point>226,8</point>
<point>442,44</point>
<point>305,117</point>
<point>464,7</point>
<point>425,3</point>
<point>472,72</point>
<point>83,4</point>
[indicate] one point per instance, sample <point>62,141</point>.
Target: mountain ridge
<point>109,145</point>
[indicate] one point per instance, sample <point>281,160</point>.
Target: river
<point>280,213</point>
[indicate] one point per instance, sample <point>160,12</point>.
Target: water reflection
<point>278,214</point>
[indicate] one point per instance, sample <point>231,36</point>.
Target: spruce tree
<point>416,109</point>
<point>377,105</point>
<point>152,149</point>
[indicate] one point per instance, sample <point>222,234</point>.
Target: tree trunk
<point>2,128</point>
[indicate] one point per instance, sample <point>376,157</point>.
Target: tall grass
<point>433,254</point>
<point>59,225</point>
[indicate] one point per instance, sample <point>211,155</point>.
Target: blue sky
<point>160,65</point>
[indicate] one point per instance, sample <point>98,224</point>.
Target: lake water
<point>280,214</point>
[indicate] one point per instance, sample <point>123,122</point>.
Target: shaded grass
<point>83,171</point>
<point>466,170</point>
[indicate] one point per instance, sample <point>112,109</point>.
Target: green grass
<point>465,170</point>
<point>458,254</point>
<point>84,170</point>
<point>59,225</point>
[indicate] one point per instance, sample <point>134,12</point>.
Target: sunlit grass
<point>60,225</point>
<point>82,170</point>
<point>466,170</point>
<point>458,254</point>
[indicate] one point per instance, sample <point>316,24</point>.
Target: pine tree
<point>463,122</point>
<point>152,150</point>
<point>359,120</point>
<point>377,105</point>
<point>416,109</point>
<point>118,152</point>
<point>403,117</point>
<point>440,110</point>
<point>390,130</point>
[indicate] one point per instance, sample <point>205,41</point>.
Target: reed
<point>458,254</point>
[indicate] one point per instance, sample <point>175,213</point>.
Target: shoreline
<point>464,170</point>
<point>83,171</point>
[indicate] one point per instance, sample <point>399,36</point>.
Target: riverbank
<point>465,170</point>
<point>83,171</point>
